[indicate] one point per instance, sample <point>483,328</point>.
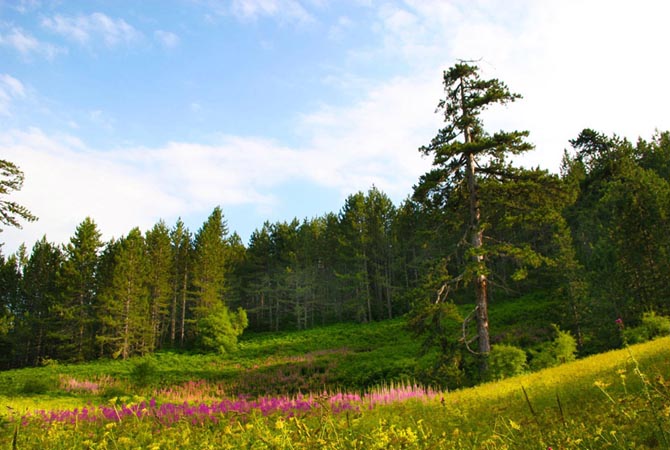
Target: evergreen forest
<point>477,232</point>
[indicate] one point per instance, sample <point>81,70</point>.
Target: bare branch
<point>464,337</point>
<point>444,290</point>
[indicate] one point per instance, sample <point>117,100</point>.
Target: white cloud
<point>135,186</point>
<point>290,10</point>
<point>13,86</point>
<point>65,181</point>
<point>25,6</point>
<point>340,28</point>
<point>578,64</point>
<point>166,38</point>
<point>374,141</point>
<point>83,29</point>
<point>101,119</point>
<point>10,89</point>
<point>27,45</point>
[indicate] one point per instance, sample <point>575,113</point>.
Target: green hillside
<point>617,399</point>
<point>351,357</point>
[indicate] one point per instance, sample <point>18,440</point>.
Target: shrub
<point>37,385</point>
<point>113,392</point>
<point>560,350</point>
<point>564,346</point>
<point>219,330</point>
<point>652,326</point>
<point>144,372</point>
<point>506,361</point>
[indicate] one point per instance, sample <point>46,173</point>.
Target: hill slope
<point>619,399</point>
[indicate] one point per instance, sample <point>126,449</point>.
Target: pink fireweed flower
<point>201,413</point>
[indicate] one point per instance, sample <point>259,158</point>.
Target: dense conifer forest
<point>594,239</point>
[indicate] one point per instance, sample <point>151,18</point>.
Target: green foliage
<point>11,179</point>
<point>565,347</point>
<point>578,250</point>
<point>506,361</point>
<point>652,326</point>
<point>561,349</point>
<point>35,385</point>
<point>210,264</point>
<point>144,372</point>
<point>78,285</point>
<point>124,303</point>
<point>444,362</point>
<point>111,392</point>
<point>219,330</point>
<point>505,223</point>
<point>619,223</point>
<point>159,283</point>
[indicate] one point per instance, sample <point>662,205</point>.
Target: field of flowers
<point>619,399</point>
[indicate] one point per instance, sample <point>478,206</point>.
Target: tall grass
<point>619,399</point>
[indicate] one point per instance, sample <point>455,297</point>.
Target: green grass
<point>344,356</point>
<point>619,399</point>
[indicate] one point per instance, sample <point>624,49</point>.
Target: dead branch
<point>464,338</point>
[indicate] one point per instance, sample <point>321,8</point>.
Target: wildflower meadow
<point>619,399</point>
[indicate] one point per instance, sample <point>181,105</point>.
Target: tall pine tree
<point>463,152</point>
<point>182,254</point>
<point>217,327</point>
<point>125,303</point>
<point>78,287</point>
<point>159,281</point>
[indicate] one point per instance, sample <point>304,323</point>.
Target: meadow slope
<point>618,399</point>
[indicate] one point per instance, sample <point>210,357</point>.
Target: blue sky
<point>130,112</point>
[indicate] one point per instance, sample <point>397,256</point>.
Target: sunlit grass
<point>618,399</point>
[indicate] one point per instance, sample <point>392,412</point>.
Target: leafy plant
<point>506,361</point>
<point>144,372</point>
<point>220,329</point>
<point>652,326</point>
<point>37,385</point>
<point>562,349</point>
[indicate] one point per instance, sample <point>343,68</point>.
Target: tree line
<point>476,229</point>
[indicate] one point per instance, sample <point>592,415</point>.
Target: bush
<point>564,347</point>
<point>219,330</point>
<point>37,385</point>
<point>506,361</point>
<point>144,372</point>
<point>652,326</point>
<point>560,350</point>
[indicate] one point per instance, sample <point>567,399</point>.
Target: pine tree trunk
<point>183,308</point>
<point>80,336</point>
<point>477,237</point>
<point>367,288</point>
<point>125,349</point>
<point>173,316</point>
<point>481,281</point>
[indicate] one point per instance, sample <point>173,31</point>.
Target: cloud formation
<point>166,38</point>
<point>10,89</point>
<point>577,63</point>
<point>84,29</point>
<point>27,45</point>
<point>289,10</point>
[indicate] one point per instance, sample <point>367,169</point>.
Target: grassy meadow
<point>345,386</point>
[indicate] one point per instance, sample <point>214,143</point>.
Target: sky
<point>131,112</point>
